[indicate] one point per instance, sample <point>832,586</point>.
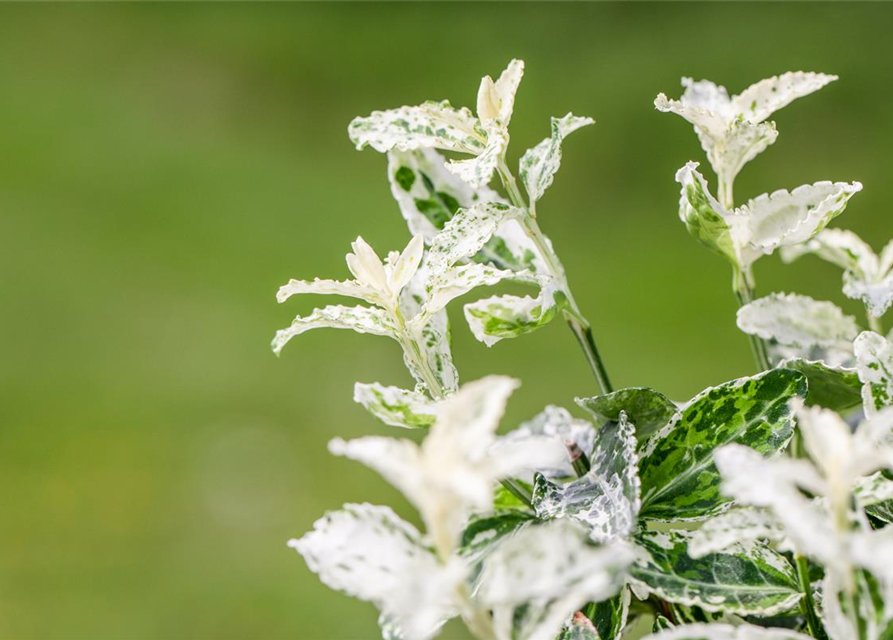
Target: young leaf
<point>360,319</point>
<point>833,387</point>
<point>543,443</point>
<point>785,218</point>
<point>798,321</point>
<point>741,525</point>
<point>606,499</point>
<point>429,196</point>
<point>537,578</point>
<point>874,361</point>
<point>704,217</point>
<point>745,579</point>
<point>394,406</point>
<point>765,223</point>
<point>451,474</point>
<point>679,479</point>
<point>646,408</point>
<point>875,495</point>
<point>368,552</point>
<point>539,164</point>
<point>867,276</point>
<point>466,233</point>
<point>731,130</point>
<point>499,317</point>
<point>726,632</point>
<point>432,124</point>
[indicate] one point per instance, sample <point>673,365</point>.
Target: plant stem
<point>875,324</point>
<point>744,294</point>
<point>578,323</point>
<point>518,490</point>
<point>807,604</point>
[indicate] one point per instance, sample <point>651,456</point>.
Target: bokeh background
<point>164,168</point>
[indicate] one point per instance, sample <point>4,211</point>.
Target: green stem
<point>875,324</point>
<point>518,490</point>
<point>745,294</point>
<point>578,323</point>
<point>807,604</point>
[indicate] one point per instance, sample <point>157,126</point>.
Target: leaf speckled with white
<point>368,552</point>
<point>539,164</point>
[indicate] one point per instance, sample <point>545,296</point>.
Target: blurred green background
<point>164,168</point>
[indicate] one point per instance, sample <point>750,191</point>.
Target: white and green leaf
<point>394,406</point>
<point>834,387</point>
<point>539,164</point>
<point>646,408</point>
<point>703,215</point>
<point>435,125</point>
<point>745,579</point>
<point>874,362</point>
<point>606,499</point>
<point>761,99</point>
<point>785,218</point>
<point>741,525</point>
<point>540,445</point>
<point>798,321</point>
<point>534,580</point>
<point>369,553</point>
<point>679,478</point>
<point>359,319</point>
<point>726,632</point>
<point>499,317</point>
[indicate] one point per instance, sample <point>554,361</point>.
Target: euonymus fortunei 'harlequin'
<point>761,509</point>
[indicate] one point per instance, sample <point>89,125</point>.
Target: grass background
<point>163,168</point>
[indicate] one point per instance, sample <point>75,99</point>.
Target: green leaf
<point>679,478</point>
<point>539,164</point>
<point>646,408</point>
<point>875,495</point>
<point>394,406</point>
<point>484,531</point>
<point>606,499</point>
<point>874,361</point>
<point>833,387</point>
<point>503,499</point>
<point>661,624</point>
<point>609,616</point>
<point>747,579</point>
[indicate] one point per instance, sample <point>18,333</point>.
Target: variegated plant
<point>753,511</point>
